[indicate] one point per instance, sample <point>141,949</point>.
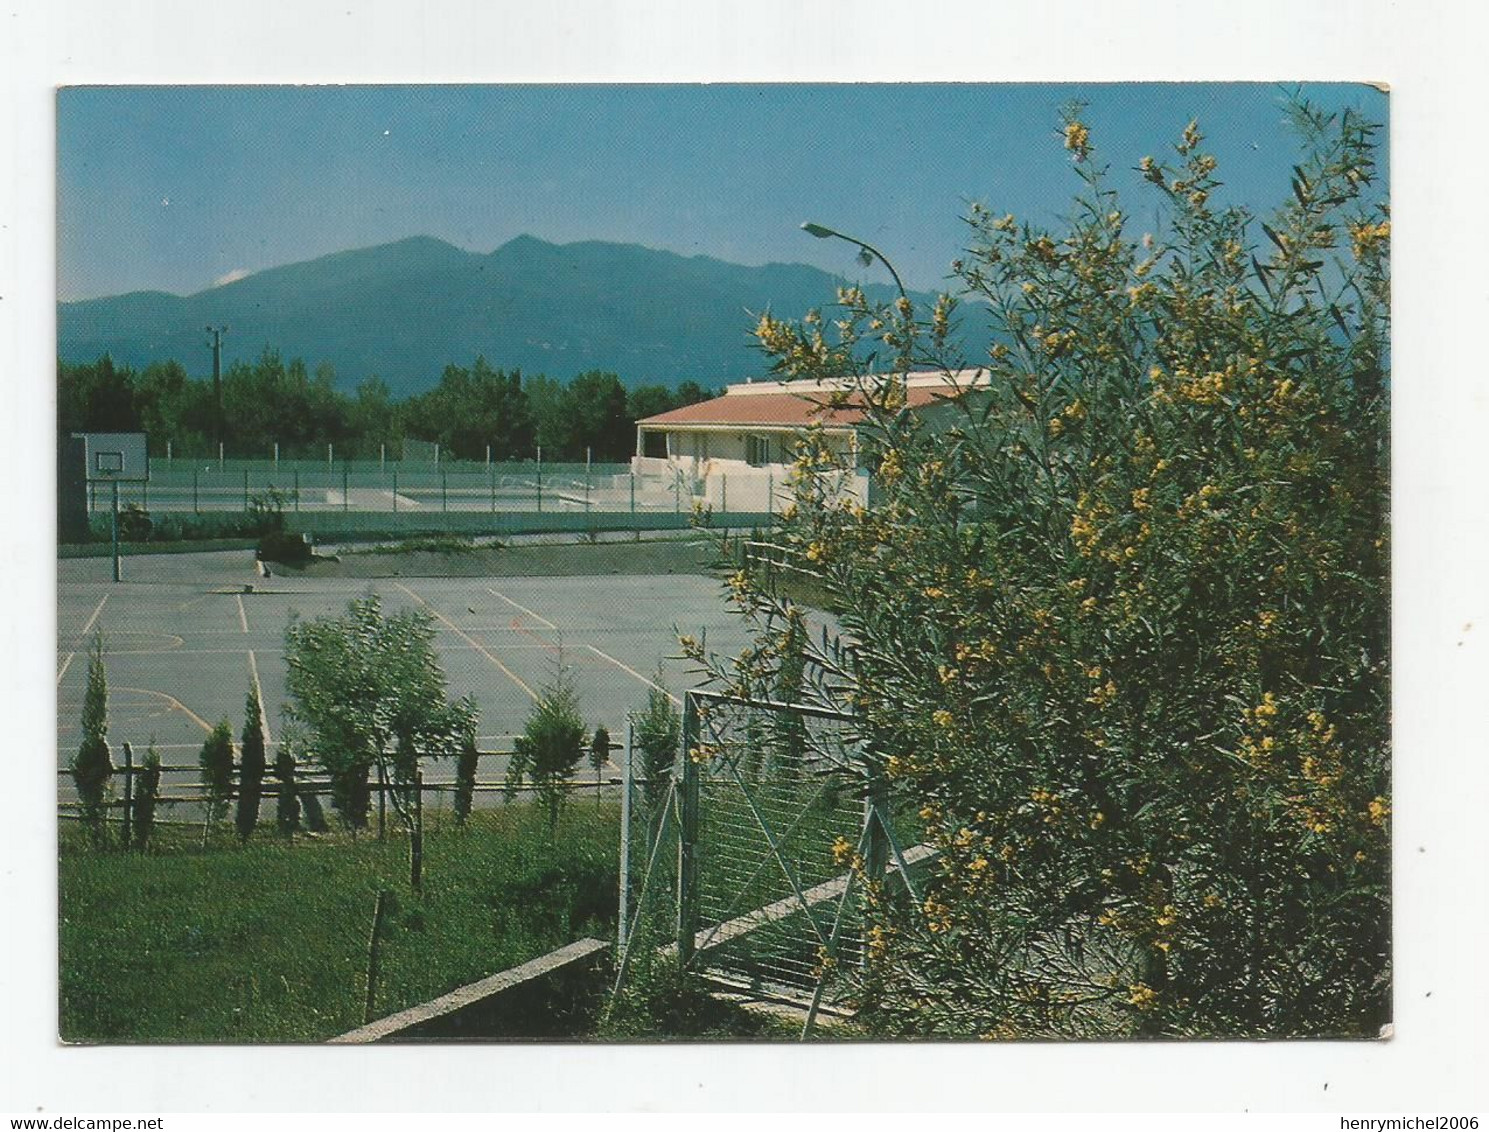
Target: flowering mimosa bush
<point>1116,623</point>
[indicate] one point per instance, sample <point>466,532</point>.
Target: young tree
<point>251,766</point>
<point>551,746</point>
<point>146,796</point>
<point>92,768</point>
<point>371,694</point>
<point>1118,624</point>
<point>216,761</point>
<point>657,734</point>
<point>465,777</point>
<point>599,755</point>
<point>287,805</point>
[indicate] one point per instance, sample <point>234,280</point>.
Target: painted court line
<point>61,672</point>
<point>253,672</point>
<point>543,621</point>
<point>171,701</point>
<point>475,644</point>
<point>627,668</point>
<point>96,612</point>
<point>242,614</point>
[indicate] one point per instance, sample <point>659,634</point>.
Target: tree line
<point>270,401</point>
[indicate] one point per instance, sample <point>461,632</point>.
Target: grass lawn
<point>268,942</point>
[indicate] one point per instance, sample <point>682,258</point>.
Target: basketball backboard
<point>121,457</point>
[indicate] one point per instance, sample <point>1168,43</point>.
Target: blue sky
<point>175,188</point>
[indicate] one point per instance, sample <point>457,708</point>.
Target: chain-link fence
<point>334,496</point>
<point>754,862</point>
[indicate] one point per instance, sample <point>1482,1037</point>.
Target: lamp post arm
<point>823,233</point>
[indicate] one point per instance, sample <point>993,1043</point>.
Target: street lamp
<point>867,253</point>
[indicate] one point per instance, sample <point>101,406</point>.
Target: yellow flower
<point>943,719</point>
<point>1142,996</point>
<point>1077,140</point>
<point>816,552</point>
<point>1365,238</point>
<point>842,851</point>
<point>1379,811</point>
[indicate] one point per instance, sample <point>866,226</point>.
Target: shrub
<point>146,796</point>
<point>285,548</point>
<point>599,755</point>
<point>551,746</point>
<point>371,693</point>
<point>465,777</point>
<point>134,524</point>
<point>92,768</point>
<point>1117,624</point>
<point>287,805</point>
<point>266,511</point>
<point>216,761</point>
<point>251,766</point>
<point>657,734</point>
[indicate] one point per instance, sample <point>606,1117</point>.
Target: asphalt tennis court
<point>184,642</point>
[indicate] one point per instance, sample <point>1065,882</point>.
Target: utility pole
<point>217,332</point>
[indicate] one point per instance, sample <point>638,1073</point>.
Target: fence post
<point>346,504</point>
<point>687,841</point>
<point>876,843</point>
<point>416,842</point>
<point>622,939</point>
<point>195,510</point>
<point>377,930</point>
<point>128,795</point>
<point>635,527</point>
<point>245,489</point>
<point>114,526</point>
<point>297,489</point>
<point>540,479</point>
<point>395,491</point>
<point>444,490</point>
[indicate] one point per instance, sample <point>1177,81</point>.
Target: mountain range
<point>405,310</point>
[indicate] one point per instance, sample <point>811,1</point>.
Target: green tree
<point>657,734</point>
<point>216,762</point>
<point>465,776</point>
<point>146,797</point>
<point>287,804</point>
<point>251,766</point>
<point>599,755</point>
<point>1117,626</point>
<point>596,403</point>
<point>551,746</point>
<point>370,692</point>
<point>92,768</point>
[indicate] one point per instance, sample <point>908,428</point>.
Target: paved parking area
<point>184,642</point>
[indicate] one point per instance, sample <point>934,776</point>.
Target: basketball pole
<point>114,526</point>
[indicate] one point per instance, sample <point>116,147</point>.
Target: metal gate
<point>771,832</point>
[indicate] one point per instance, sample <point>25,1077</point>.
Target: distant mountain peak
<point>406,309</point>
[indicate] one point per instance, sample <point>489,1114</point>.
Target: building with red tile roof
<point>734,452</point>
